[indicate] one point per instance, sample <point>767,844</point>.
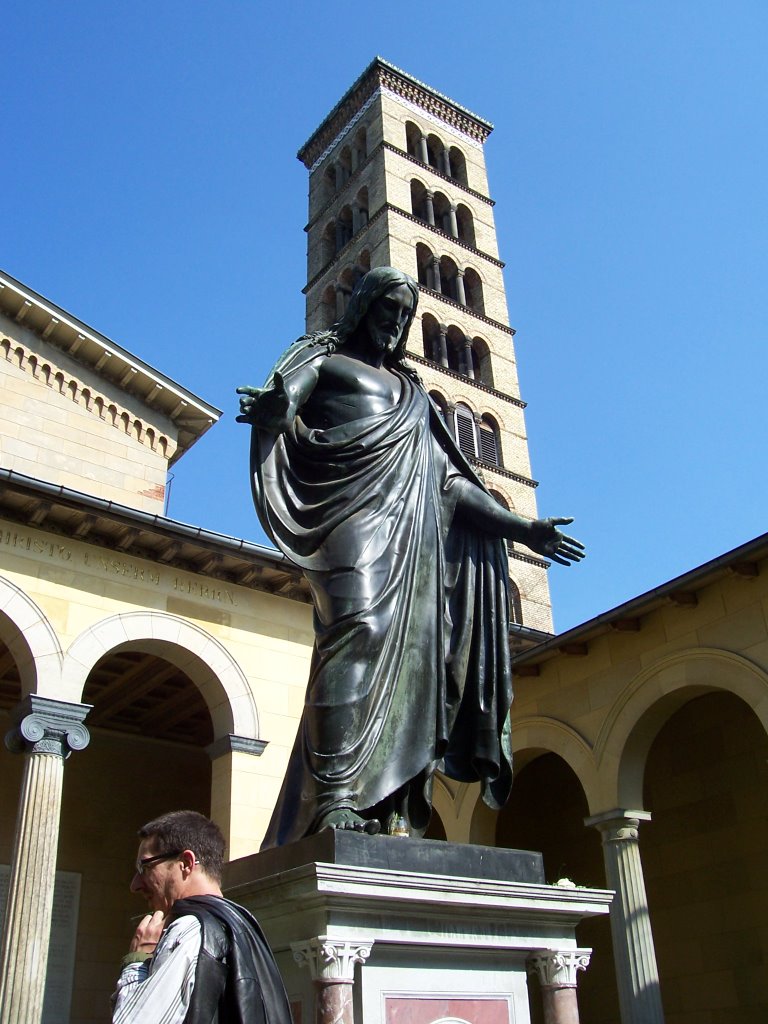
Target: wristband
<point>134,958</point>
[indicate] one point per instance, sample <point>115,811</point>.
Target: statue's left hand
<point>547,540</point>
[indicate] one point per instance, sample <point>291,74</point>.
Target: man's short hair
<point>188,830</point>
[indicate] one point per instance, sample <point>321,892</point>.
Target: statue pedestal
<point>384,930</point>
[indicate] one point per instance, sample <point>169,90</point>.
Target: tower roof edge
<point>380,73</point>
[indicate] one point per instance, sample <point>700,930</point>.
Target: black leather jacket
<point>236,979</point>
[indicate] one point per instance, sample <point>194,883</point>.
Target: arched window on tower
<point>345,162</point>
<point>473,289</point>
<point>481,361</point>
<point>412,136</point>
<point>442,213</point>
<point>344,229</point>
<point>328,243</point>
<point>488,445</point>
<point>448,274</point>
<point>424,263</point>
<point>465,224</point>
<point>360,212</point>
<point>456,350</point>
<point>435,150</point>
<point>328,183</point>
<point>441,404</point>
<point>430,335</point>
<point>419,200</point>
<point>476,440</point>
<point>458,166</point>
<point>360,152</point>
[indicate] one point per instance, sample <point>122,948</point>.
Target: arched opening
<point>448,276</point>
<point>149,727</point>
<point>443,213</point>
<point>419,200</point>
<point>344,228</point>
<point>488,441</point>
<point>11,765</point>
<point>457,356</point>
<point>360,151</point>
<point>412,136</point>
<point>345,165</point>
<point>473,289</point>
<point>458,166</point>
<point>360,211</point>
<point>464,430</point>
<point>704,855</point>
<point>328,243</point>
<point>430,334</point>
<point>465,223</point>
<point>481,361</point>
<point>328,183</point>
<point>546,812</point>
<point>441,404</point>
<point>435,150</point>
<point>424,266</point>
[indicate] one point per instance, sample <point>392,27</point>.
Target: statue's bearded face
<point>387,318</point>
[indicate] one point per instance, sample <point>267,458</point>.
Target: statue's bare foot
<point>346,819</point>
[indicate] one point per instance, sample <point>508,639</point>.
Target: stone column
<point>338,171</point>
<point>469,367</point>
<point>436,274</point>
<point>423,151</point>
<point>452,222</point>
<point>556,971</point>
<point>461,295</point>
<point>443,345</point>
<point>429,205</point>
<point>331,965</point>
<point>46,731</point>
<point>636,971</point>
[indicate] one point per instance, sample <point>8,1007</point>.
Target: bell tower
<point>397,178</point>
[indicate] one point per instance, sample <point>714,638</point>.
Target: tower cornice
<point>380,74</point>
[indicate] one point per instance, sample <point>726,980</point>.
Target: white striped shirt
<point>158,991</point>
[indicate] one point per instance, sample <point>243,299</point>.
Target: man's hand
<point>148,933</point>
<point>267,408</point>
<point>547,540</point>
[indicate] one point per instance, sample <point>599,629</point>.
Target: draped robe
<point>410,669</point>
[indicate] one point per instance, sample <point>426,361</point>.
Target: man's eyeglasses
<point>145,862</point>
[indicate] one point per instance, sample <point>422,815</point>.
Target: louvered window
<point>465,431</point>
<point>489,449</point>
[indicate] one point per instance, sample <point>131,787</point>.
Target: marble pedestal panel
<point>384,930</point>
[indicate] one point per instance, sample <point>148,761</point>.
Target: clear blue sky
<point>150,186</point>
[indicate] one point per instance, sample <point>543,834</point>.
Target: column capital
<point>618,825</point>
<point>331,960</point>
<point>42,725</point>
<point>557,968</point>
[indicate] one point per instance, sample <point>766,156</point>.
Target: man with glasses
<point>195,957</point>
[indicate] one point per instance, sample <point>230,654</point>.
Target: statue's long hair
<point>372,286</point>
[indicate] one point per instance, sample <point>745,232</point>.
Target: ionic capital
<point>618,826</point>
<point>557,968</point>
<point>42,725</point>
<point>331,960</point>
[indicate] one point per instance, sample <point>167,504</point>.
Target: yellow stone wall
<point>63,423</point>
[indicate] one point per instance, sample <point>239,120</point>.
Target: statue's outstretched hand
<point>266,408</point>
<point>547,540</point>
